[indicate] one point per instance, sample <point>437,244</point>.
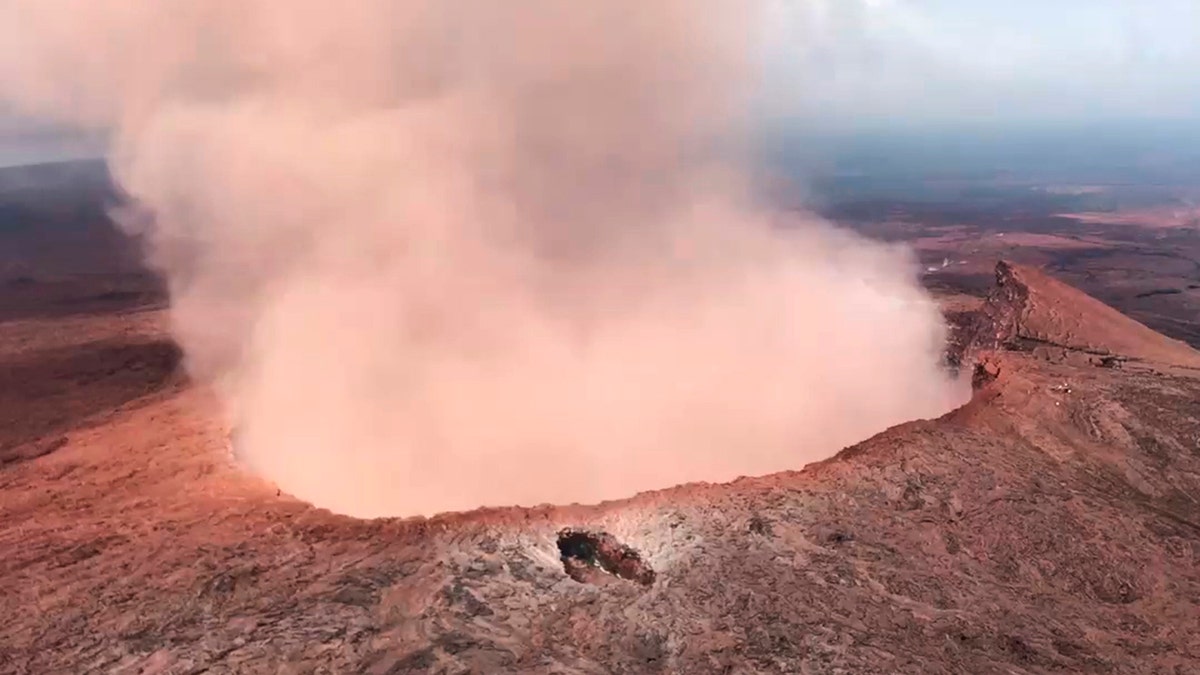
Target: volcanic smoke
<point>441,254</point>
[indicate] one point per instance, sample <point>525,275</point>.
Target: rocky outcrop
<point>1030,311</point>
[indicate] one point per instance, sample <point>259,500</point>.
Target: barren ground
<point>1051,525</point>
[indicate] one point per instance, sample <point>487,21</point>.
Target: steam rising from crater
<point>438,254</point>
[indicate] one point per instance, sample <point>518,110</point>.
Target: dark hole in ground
<point>761,526</point>
<point>983,375</point>
<point>587,555</point>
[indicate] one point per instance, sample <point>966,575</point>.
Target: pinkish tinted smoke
<point>445,254</point>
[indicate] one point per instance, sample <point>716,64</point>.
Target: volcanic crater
<point>1047,525</point>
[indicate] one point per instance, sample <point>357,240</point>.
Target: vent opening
<point>589,557</point>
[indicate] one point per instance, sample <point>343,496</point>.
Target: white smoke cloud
<point>445,254</point>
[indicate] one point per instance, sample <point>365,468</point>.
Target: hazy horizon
<point>850,64</point>
<point>845,71</point>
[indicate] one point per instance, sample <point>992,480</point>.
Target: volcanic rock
<point>1049,525</point>
<point>1030,310</point>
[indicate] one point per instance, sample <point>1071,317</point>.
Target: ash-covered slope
<point>1030,310</point>
<point>1052,524</point>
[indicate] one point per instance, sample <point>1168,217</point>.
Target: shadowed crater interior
<point>589,557</point>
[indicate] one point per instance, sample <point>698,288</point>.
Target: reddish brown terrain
<point>1142,260</point>
<point>1050,525</point>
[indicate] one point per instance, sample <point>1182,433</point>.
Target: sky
<point>884,64</point>
<point>29,140</point>
<point>926,62</point>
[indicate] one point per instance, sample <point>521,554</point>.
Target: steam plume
<point>440,254</point>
